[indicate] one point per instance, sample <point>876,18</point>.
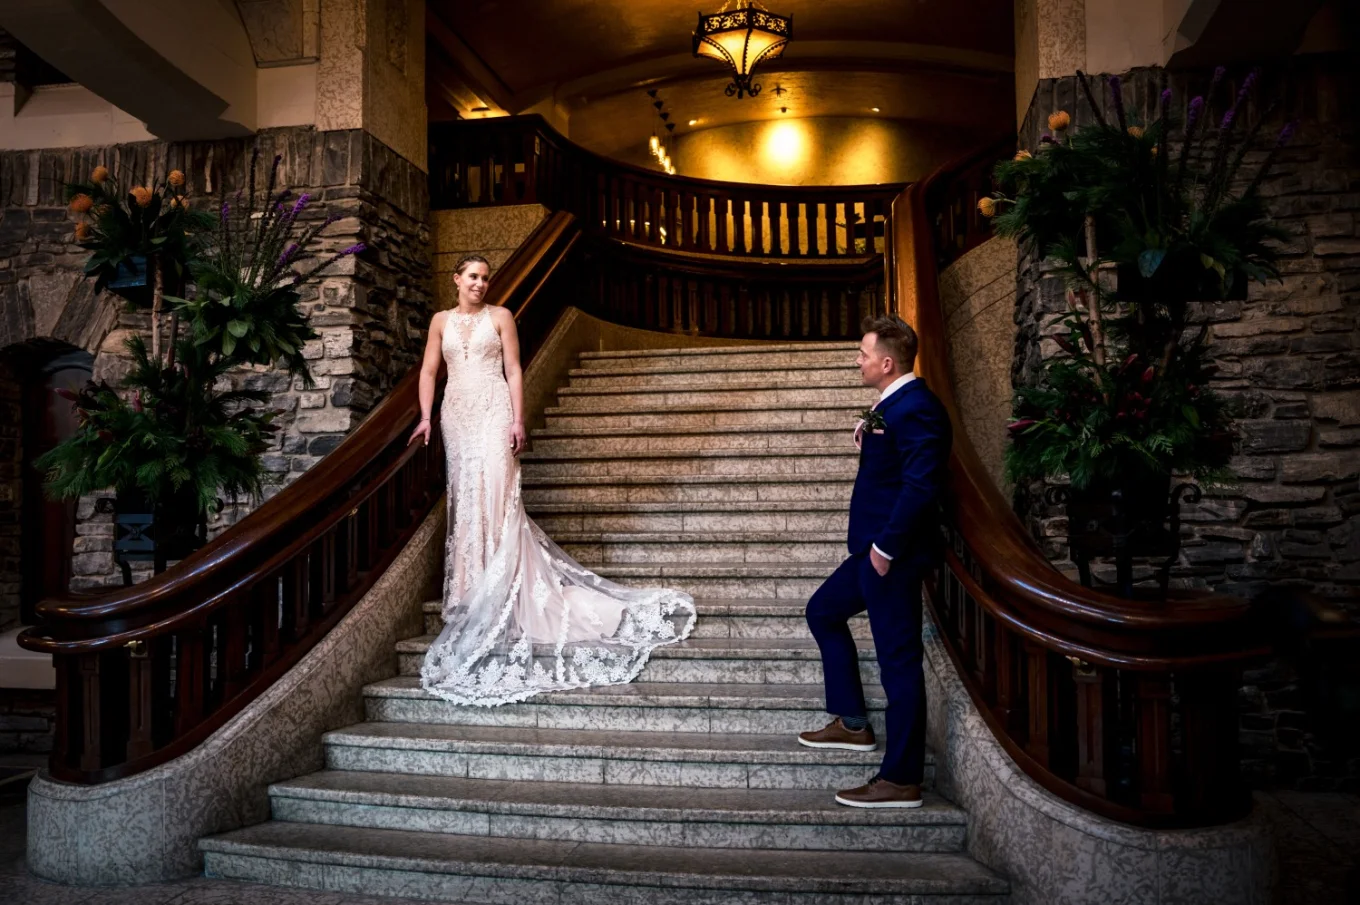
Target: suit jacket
<point>902,475</point>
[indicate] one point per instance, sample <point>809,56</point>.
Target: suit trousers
<point>893,602</point>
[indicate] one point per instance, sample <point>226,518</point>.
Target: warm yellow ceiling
<point>939,63</point>
<point>531,44</point>
<point>614,123</point>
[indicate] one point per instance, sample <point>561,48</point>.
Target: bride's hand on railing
<point>422,430</point>
<point>517,439</point>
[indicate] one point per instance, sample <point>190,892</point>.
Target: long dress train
<point>521,617</point>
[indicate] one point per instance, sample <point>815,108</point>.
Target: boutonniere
<point>873,420</point>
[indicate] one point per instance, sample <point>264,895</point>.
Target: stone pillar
<point>353,72</point>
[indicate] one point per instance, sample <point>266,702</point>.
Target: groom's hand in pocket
<point>880,562</point>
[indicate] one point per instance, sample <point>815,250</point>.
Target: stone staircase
<point>725,472</point>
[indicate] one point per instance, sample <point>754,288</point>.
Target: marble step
<point>708,547</point>
<point>710,760</point>
<point>634,707</point>
<point>750,437</point>
<point>840,374</point>
<point>800,819</point>
<point>716,355</point>
<point>830,487</point>
<point>605,413</point>
<point>742,661</point>
<point>755,582</point>
<point>739,394</point>
<point>810,462</point>
<point>751,617</point>
<point>555,518</point>
<point>500,871</point>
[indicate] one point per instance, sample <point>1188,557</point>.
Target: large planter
<point>1124,520</point>
<point>169,529</point>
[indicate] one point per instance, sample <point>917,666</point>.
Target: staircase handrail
<point>1069,679</point>
<point>257,597</point>
<point>524,160</point>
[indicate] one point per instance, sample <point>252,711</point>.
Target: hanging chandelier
<point>742,38</point>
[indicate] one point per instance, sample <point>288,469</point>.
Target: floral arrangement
<point>127,230</point>
<point>172,430</point>
<point>1139,229</point>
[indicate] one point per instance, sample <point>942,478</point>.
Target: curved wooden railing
<point>1125,707</point>
<point>732,298</point>
<point>523,160</point>
<point>146,673</point>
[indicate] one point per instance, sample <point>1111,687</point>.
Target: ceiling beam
<point>478,77</point>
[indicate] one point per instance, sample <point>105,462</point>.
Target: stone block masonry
<point>371,311</point>
<point>1289,359</point>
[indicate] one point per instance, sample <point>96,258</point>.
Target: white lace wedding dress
<point>521,616</point>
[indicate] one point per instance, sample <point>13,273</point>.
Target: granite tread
<point>595,801</point>
<point>610,864</point>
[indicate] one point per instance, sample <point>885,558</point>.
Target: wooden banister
<point>523,160</point>
<point>1116,705</point>
<point>146,673</point>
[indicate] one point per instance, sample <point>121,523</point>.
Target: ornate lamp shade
<point>742,38</point>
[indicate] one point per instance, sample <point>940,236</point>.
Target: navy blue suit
<point>895,505</point>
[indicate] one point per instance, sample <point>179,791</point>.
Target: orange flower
<point>987,207</point>
<point>1136,131</point>
<point>100,174</point>
<point>1023,155</point>
<point>142,195</point>
<point>1154,150</point>
<point>1059,121</point>
<point>81,203</point>
<point>176,177</point>
<point>82,231</point>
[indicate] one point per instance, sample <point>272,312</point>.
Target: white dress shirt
<point>859,428</point>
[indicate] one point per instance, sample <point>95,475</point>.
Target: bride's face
<point>472,282</point>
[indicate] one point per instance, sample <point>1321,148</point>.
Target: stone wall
<point>1287,354</point>
<point>977,293</point>
<point>1289,359</point>
<point>371,311</point>
<point>11,496</point>
<point>27,718</point>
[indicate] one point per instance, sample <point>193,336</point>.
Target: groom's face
<point>874,367</point>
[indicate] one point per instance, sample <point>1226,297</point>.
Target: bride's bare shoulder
<point>437,322</point>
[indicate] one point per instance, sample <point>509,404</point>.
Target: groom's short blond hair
<point>896,339</point>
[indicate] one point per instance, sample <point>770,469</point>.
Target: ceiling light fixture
<point>742,38</point>
<point>694,122</point>
<point>873,110</point>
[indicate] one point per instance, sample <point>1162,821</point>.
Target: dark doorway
<point>47,528</point>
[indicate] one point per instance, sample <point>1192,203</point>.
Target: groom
<point>894,539</point>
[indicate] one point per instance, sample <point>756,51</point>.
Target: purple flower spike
<point>226,211</point>
<point>288,254</point>
<point>1286,133</point>
<point>1192,117</point>
<point>353,249</point>
<point>300,203</point>
<point>1166,96</point>
<point>1117,95</point>
<point>1228,118</point>
<point>1219,72</point>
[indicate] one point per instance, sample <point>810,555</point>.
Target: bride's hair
<point>465,260</point>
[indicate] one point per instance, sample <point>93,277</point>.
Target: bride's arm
<point>429,374</point>
<point>514,376</point>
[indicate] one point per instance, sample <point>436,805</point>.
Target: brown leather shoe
<point>835,735</point>
<point>880,793</point>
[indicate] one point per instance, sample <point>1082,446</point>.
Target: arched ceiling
<point>946,62</point>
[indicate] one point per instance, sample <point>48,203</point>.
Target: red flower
<point>1016,427</point>
<point>1149,374</point>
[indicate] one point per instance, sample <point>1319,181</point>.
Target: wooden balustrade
<point>1127,708</point>
<point>522,160</point>
<point>146,673</point>
<point>642,287</point>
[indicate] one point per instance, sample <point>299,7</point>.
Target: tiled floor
<point>1318,835</point>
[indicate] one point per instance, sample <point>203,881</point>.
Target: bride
<point>520,616</point>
